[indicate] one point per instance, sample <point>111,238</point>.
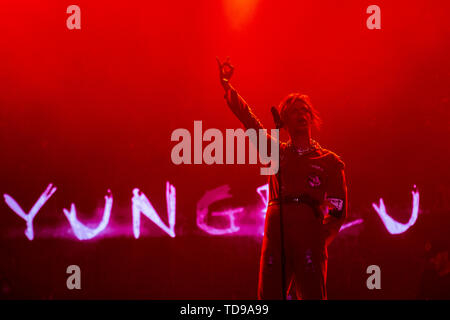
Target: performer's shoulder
<point>333,158</point>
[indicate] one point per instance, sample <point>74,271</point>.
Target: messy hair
<point>291,99</point>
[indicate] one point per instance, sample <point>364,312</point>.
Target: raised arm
<point>243,112</point>
<point>235,102</point>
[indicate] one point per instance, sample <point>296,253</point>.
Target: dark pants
<point>305,254</point>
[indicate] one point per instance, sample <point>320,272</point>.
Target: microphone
<point>276,117</point>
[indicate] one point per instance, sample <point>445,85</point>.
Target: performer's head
<point>298,115</point>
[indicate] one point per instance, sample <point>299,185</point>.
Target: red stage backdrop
<point>91,111</point>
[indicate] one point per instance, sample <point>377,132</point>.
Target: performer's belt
<point>301,199</point>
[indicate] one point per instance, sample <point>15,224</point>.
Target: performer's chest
<point>303,173</point>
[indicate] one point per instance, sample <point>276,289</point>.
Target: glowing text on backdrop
<point>141,205</point>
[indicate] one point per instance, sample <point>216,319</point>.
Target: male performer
<point>312,202</point>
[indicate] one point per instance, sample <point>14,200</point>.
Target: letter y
<point>33,212</point>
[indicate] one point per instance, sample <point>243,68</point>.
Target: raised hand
<point>225,72</point>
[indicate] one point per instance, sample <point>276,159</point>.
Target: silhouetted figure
<point>312,205</point>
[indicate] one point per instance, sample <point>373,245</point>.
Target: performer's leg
<point>311,274</point>
<point>269,285</point>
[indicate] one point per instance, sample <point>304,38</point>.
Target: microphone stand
<point>278,125</point>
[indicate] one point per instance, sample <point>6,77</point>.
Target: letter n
<point>142,205</point>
